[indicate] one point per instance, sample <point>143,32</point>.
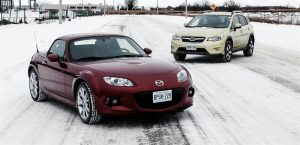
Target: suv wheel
<point>179,57</point>
<point>250,48</point>
<point>85,104</point>
<point>227,52</point>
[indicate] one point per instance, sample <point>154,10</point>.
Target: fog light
<point>113,101</point>
<point>191,92</point>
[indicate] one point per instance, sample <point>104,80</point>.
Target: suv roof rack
<point>207,11</point>
<point>233,12</point>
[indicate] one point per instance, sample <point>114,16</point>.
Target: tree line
<point>229,5</point>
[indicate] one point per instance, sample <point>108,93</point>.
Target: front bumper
<point>203,48</point>
<point>139,101</point>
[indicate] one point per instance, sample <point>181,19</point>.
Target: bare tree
<point>130,4</point>
<point>200,6</point>
<point>231,5</point>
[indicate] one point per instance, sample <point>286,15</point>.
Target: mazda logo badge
<point>159,83</point>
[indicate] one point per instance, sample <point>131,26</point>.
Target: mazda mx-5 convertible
<point>103,74</point>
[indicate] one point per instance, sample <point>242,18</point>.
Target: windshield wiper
<point>128,55</point>
<point>191,26</point>
<point>92,58</point>
<point>100,58</point>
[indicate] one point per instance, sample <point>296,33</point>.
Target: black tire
<point>92,114</point>
<point>250,48</point>
<point>34,87</point>
<point>179,57</point>
<point>226,57</point>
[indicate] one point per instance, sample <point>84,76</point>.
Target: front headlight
<point>176,37</point>
<point>215,38</point>
<point>182,76</point>
<point>114,81</point>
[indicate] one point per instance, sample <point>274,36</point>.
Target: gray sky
<point>165,3</point>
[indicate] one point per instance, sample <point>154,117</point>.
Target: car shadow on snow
<point>145,120</point>
<point>210,58</point>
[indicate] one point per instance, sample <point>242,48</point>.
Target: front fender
<point>89,77</point>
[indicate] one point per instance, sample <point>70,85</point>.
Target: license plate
<point>162,96</point>
<point>191,47</point>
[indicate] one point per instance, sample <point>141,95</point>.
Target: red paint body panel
<point>58,79</point>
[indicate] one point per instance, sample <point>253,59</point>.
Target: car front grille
<point>145,99</point>
<point>192,39</point>
<point>199,50</point>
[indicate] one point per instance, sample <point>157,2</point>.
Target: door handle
<point>44,62</point>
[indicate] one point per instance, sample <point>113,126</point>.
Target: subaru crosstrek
<point>214,33</point>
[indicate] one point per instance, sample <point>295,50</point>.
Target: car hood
<point>131,66</point>
<point>204,32</point>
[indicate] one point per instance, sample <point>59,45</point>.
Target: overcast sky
<point>165,3</point>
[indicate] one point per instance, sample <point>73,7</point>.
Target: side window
<point>235,21</point>
<point>58,48</point>
<point>243,20</point>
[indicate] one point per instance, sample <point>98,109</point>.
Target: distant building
<point>72,10</point>
<point>72,7</point>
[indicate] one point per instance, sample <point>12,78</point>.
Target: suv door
<point>245,31</point>
<point>236,33</point>
<point>52,73</point>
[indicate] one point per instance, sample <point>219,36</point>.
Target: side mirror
<point>53,57</point>
<point>237,26</point>
<point>148,51</point>
<point>185,24</point>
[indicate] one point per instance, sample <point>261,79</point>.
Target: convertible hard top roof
<point>70,37</point>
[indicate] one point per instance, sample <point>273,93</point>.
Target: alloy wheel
<point>251,47</point>
<point>83,102</point>
<point>33,85</point>
<point>228,52</point>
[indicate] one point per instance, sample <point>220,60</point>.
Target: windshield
<point>96,48</point>
<point>213,21</point>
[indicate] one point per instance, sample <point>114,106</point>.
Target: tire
<point>179,57</point>
<point>250,48</point>
<point>85,104</point>
<point>226,57</point>
<point>34,87</point>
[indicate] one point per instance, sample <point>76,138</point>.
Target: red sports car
<point>103,74</point>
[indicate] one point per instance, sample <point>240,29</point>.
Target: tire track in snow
<point>16,115</point>
<point>268,61</point>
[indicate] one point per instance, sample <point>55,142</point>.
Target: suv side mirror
<point>185,24</point>
<point>148,51</point>
<point>53,57</point>
<point>237,26</point>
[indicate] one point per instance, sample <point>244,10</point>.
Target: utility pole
<point>1,11</point>
<point>113,6</point>
<point>186,13</point>
<point>60,12</point>
<point>157,7</point>
<point>104,11</point>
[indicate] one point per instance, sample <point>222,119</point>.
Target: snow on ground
<point>290,17</point>
<point>249,101</point>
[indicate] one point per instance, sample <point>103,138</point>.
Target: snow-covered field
<point>282,17</point>
<point>249,101</point>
